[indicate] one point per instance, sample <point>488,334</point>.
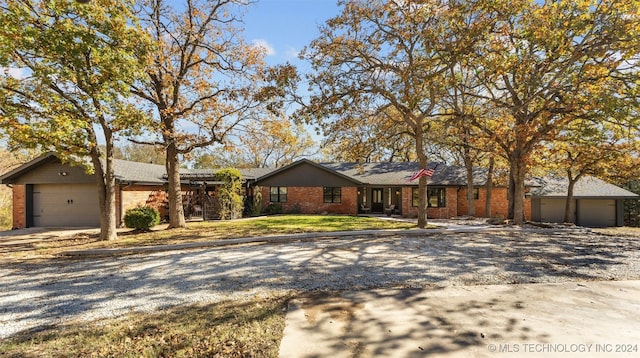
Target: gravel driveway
<point>33,296</point>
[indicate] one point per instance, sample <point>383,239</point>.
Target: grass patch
<point>206,231</point>
<point>228,329</point>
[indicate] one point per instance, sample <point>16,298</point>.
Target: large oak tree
<point>202,81</point>
<point>380,56</point>
<point>544,65</point>
<point>70,70</point>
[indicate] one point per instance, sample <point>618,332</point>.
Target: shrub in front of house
<point>229,193</point>
<point>273,209</point>
<point>295,209</point>
<point>142,218</point>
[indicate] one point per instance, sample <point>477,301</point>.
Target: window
<point>436,197</point>
<point>332,195</point>
<point>278,194</point>
<point>476,194</point>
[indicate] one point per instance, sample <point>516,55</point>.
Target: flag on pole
<point>422,173</point>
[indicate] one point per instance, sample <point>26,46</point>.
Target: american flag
<point>422,173</point>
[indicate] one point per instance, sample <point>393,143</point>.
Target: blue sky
<point>286,26</point>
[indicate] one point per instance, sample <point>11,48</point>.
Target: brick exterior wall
<point>499,203</point>
<point>140,195</point>
<point>310,200</point>
<point>449,211</point>
<point>19,202</point>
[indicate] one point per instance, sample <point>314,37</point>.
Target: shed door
<point>552,210</point>
<point>596,212</point>
<point>57,205</point>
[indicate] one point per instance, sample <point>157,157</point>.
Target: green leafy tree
<point>231,199</point>
<point>75,64</point>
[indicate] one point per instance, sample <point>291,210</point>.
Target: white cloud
<point>292,52</point>
<point>14,72</point>
<point>268,49</point>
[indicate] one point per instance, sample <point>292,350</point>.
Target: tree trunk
<point>489,189</point>
<point>106,181</point>
<point>569,205</point>
<point>510,195</point>
<point>518,169</point>
<point>176,210</point>
<point>422,181</point>
<point>470,200</point>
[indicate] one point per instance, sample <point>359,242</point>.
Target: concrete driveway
<point>588,319</point>
<point>24,239</point>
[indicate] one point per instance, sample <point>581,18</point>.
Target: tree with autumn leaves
<point>382,57</point>
<point>73,65</point>
<point>201,82</point>
<point>604,148</point>
<point>537,68</point>
<point>544,66</point>
<point>270,142</point>
<point>534,73</point>
<point>193,76</point>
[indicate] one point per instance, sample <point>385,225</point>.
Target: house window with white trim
<point>278,194</point>
<point>332,194</point>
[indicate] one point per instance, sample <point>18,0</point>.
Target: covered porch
<point>380,200</point>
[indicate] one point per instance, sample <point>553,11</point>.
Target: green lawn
<point>206,231</point>
<point>262,226</point>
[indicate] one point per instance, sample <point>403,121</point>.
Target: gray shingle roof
<point>585,187</point>
<point>127,171</point>
<point>247,173</point>
<point>396,174</point>
<point>399,173</point>
<point>254,173</point>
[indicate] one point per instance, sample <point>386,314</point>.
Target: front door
<point>377,205</point>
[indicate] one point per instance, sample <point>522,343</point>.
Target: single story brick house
<point>47,192</point>
<point>353,188</point>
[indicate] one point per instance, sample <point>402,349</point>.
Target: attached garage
<point>57,205</point>
<point>597,203</point>
<point>596,212</point>
<point>49,193</point>
<point>552,210</point>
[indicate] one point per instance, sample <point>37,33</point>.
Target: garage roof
<point>125,171</point>
<point>132,172</point>
<point>585,187</point>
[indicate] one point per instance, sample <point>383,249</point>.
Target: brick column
<point>19,214</point>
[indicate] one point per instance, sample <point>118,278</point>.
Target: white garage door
<point>552,210</point>
<point>57,205</point>
<point>597,213</point>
